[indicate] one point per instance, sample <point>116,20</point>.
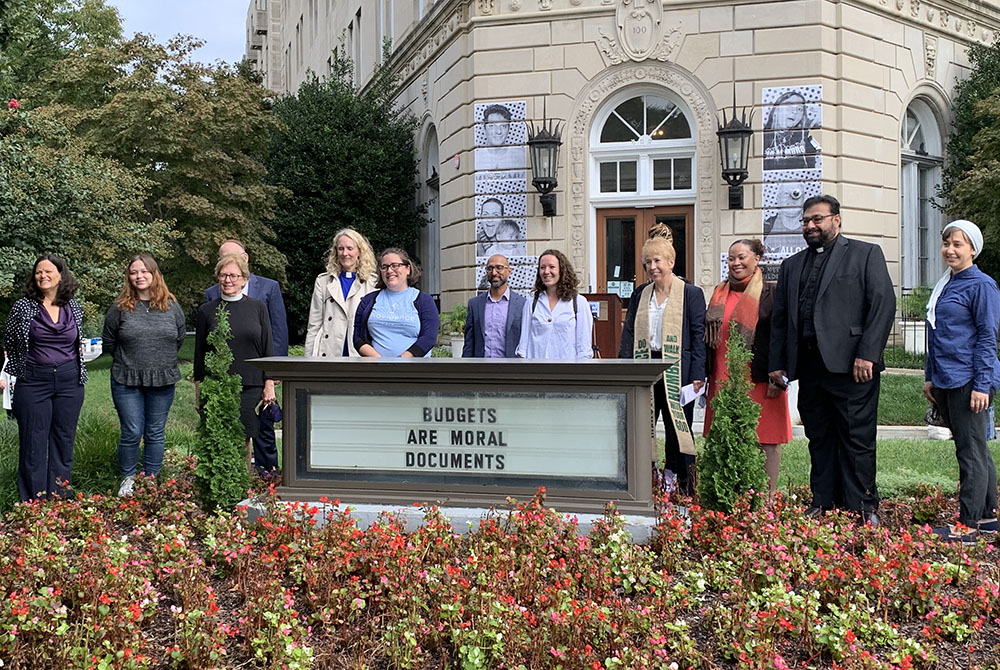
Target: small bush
<point>732,463</point>
<point>95,454</point>
<point>221,474</point>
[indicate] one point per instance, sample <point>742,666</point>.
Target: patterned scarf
<point>744,317</point>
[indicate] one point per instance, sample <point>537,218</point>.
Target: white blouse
<point>656,322</point>
<point>556,333</point>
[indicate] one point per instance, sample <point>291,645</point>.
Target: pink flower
<point>13,104</point>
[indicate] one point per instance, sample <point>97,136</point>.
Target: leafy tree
<point>197,132</point>
<point>56,196</point>
<point>972,174</point>
<point>37,34</point>
<point>346,158</point>
<point>732,463</point>
<point>221,473</point>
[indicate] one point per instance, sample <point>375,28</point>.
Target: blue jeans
<point>142,412</point>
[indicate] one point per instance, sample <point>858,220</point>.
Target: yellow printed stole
<point>672,326</point>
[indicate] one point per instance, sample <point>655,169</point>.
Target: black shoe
<point>814,512</point>
<point>870,519</point>
<point>955,534</point>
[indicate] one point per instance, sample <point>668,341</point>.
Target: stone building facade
<point>849,97</point>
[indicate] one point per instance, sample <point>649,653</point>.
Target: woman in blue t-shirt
<point>396,320</point>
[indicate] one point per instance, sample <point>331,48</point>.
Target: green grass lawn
<point>901,401</point>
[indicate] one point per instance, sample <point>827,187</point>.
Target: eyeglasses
<point>229,277</point>
<point>393,266</point>
<point>817,219</point>
<point>496,268</point>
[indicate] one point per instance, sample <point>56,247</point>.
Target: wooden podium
<point>607,309</point>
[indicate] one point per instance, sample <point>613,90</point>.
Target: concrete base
<point>463,519</point>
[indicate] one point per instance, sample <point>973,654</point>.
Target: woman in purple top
<point>42,338</point>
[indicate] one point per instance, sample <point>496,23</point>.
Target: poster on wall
<point>793,168</point>
<point>501,136</point>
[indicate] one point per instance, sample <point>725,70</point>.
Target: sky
<point>221,24</point>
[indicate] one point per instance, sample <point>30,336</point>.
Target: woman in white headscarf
<point>962,373</point>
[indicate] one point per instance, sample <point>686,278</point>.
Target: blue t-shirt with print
<point>394,324</point>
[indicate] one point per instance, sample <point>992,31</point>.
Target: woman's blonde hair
<point>366,257</point>
<point>658,245</point>
<point>160,296</point>
<point>241,263</point>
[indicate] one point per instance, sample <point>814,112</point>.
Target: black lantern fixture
<point>543,145</point>
<point>735,136</point>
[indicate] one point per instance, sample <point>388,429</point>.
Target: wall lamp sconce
<point>735,136</point>
<point>543,147</point>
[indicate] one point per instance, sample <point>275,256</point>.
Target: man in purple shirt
<point>493,321</point>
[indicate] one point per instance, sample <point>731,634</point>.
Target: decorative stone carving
<point>439,36</point>
<point>544,5</point>
<point>639,25</point>
<point>914,8</point>
<point>698,100</point>
<point>930,55</point>
<point>575,3</point>
<point>424,87</point>
<point>616,51</point>
<point>486,7</point>
<point>515,5</point>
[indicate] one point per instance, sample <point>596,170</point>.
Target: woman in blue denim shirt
<point>962,373</point>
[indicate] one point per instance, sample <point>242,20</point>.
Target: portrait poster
<point>501,136</point>
<point>790,114</point>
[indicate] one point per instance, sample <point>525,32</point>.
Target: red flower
<point>13,104</point>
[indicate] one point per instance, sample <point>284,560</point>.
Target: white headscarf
<point>975,236</point>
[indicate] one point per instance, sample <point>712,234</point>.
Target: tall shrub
<point>732,463</point>
<point>221,474</point>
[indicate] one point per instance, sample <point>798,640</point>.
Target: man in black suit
<point>493,320</point>
<point>833,310</point>
<point>260,288</point>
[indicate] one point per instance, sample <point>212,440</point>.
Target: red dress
<point>775,425</point>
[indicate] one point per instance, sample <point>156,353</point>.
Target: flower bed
<point>150,581</point>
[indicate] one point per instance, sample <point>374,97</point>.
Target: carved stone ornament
<point>930,55</point>
<point>486,7</point>
<point>515,5</point>
<point>640,23</point>
<point>615,51</point>
<point>544,5</point>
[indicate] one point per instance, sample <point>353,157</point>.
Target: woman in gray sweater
<point>143,331</point>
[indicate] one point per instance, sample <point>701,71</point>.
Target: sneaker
<point>957,534</point>
<point>990,526</point>
<point>126,488</point>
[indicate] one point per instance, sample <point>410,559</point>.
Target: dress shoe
<point>814,512</point>
<point>870,519</point>
<point>957,534</point>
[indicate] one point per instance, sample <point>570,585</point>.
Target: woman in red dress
<point>744,302</point>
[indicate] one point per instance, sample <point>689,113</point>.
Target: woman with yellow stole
<point>666,319</point>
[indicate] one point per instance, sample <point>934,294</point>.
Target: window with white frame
<point>642,147</point>
<point>921,151</point>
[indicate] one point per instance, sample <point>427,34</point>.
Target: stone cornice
<point>964,20</point>
<point>433,33</point>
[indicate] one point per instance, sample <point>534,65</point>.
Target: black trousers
<point>680,464</point>
<point>840,419</point>
<point>47,406</point>
<point>977,475</point>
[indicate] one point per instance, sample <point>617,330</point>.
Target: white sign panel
<point>500,435</point>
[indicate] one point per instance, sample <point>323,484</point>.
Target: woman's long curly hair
<point>366,257</point>
<point>566,286</point>
<point>160,296</point>
<point>67,282</point>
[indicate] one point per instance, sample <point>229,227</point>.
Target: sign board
<point>550,436</point>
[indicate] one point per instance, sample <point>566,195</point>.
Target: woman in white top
<point>350,275</point>
<point>556,322</point>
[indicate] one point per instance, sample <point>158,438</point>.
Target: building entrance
<point>621,232</point>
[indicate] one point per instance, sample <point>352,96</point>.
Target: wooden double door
<point>620,236</point>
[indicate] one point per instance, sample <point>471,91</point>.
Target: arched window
<point>643,147</point>
<point>921,151</point>
<point>429,242</point>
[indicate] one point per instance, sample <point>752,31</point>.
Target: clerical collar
<point>348,274</point>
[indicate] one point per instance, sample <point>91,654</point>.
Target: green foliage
<point>346,158</point>
<point>972,175</point>
<point>453,321</point>
<point>221,473</point>
<point>901,401</point>
<point>58,196</point>
<point>732,463</point>
<point>197,132</point>
<point>898,357</point>
<point>37,34</point>
<point>913,306</point>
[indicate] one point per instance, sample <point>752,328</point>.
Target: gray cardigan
<point>143,344</point>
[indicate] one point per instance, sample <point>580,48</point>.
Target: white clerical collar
<point>231,298</point>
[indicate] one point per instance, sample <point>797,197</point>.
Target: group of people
<point>825,323</point>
